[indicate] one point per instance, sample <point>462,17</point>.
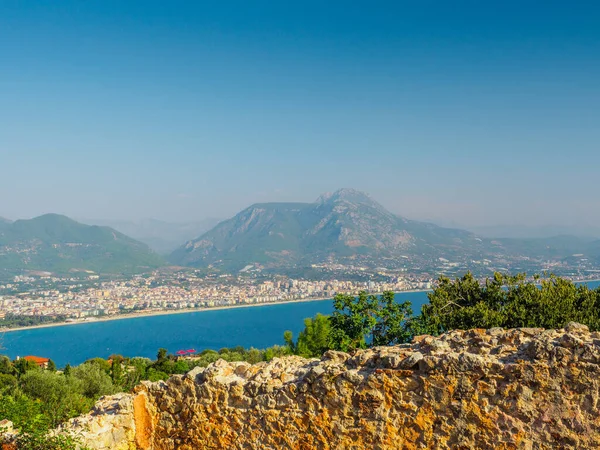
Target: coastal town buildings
<point>157,292</point>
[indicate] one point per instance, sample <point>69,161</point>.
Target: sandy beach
<point>141,315</point>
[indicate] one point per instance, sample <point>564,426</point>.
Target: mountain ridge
<point>346,224</point>
<point>56,243</point>
<point>350,227</point>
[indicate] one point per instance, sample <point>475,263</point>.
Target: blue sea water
<point>258,327</point>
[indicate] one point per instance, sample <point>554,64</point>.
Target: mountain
<point>345,226</point>
<point>162,237</point>
<point>56,243</point>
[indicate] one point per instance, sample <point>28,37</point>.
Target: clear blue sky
<point>476,112</point>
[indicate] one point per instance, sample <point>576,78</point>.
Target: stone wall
<point>477,389</point>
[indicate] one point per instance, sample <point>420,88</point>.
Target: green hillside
<point>58,244</point>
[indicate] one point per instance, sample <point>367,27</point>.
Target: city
<point>71,300</point>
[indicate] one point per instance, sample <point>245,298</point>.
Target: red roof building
<point>41,362</point>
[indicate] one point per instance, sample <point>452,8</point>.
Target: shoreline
<point>141,315</point>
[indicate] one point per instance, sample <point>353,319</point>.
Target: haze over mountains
<point>349,227</point>
<point>528,232</point>
<point>162,237</point>
<point>345,228</point>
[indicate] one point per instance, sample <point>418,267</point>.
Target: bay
<point>252,326</point>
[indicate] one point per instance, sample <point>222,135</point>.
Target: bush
<point>95,382</point>
<point>42,441</point>
<point>61,397</point>
<point>510,302</point>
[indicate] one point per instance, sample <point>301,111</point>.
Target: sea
<point>252,326</point>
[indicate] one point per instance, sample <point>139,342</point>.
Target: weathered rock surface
<point>110,425</point>
<point>477,389</point>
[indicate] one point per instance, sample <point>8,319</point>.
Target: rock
<point>335,356</point>
<point>6,427</point>
<point>110,425</point>
<point>194,373</point>
<point>574,327</point>
<point>477,389</point>
<point>411,361</point>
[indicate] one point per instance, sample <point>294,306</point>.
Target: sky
<point>460,112</point>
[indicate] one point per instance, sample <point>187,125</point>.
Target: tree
<point>509,302</point>
<point>352,321</point>
<point>7,383</point>
<point>391,326</point>
<point>67,370</point>
<point>315,339</point>
<point>288,338</point>
<point>116,370</point>
<point>6,366</point>
<point>23,366</point>
<point>136,372</point>
<point>51,366</point>
<point>103,363</point>
<point>161,356</point>
<point>95,382</point>
<point>61,396</point>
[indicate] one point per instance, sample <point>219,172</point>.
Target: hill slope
<point>344,226</point>
<point>56,243</point>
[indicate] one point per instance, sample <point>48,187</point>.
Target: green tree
<point>353,320</point>
<point>509,302</point>
<point>288,338</point>
<point>7,383</point>
<point>103,363</point>
<point>61,396</point>
<point>94,381</point>
<point>6,366</point>
<point>315,339</point>
<point>161,356</point>
<point>254,356</point>
<point>391,321</point>
<point>25,413</point>
<point>277,351</point>
<point>41,440</point>
<point>51,366</point>
<point>116,370</point>
<point>23,366</point>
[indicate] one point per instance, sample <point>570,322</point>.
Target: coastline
<point>141,315</point>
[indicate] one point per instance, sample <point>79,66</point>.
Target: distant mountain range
<point>162,237</point>
<point>56,243</point>
<point>348,227</point>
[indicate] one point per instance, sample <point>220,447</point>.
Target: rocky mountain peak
<point>347,195</point>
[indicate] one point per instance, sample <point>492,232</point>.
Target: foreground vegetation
<point>37,400</point>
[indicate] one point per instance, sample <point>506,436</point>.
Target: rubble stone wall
<point>477,389</point>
